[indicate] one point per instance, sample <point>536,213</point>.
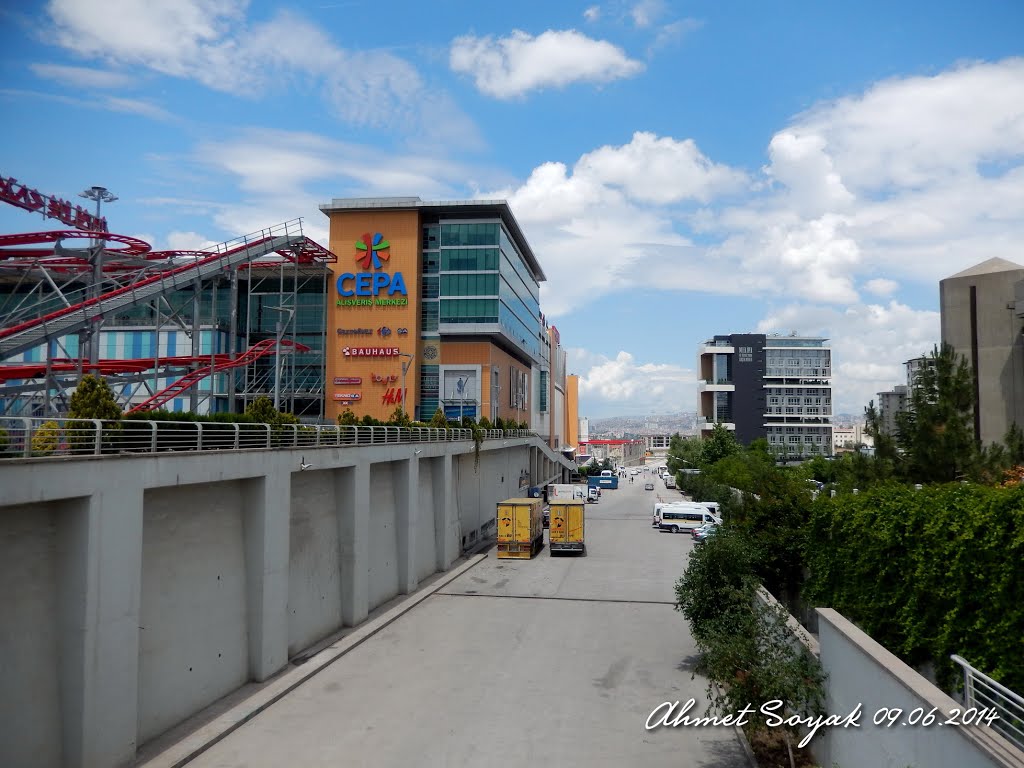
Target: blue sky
<point>680,168</point>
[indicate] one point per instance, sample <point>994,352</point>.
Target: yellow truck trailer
<point>520,528</point>
<point>565,526</point>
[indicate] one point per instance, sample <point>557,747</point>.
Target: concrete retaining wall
<point>863,673</point>
<point>137,590</point>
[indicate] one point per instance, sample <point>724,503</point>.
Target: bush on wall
<point>926,573</point>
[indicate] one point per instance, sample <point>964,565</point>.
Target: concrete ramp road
<point>555,661</point>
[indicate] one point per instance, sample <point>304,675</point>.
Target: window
<point>469,234</point>
<point>469,310</point>
<point>469,259</point>
<point>469,284</point>
<point>543,400</point>
<point>429,311</point>
<point>428,287</point>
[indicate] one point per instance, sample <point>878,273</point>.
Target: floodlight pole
<point>100,195</point>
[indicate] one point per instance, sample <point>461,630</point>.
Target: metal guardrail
<point>982,692</point>
<point>28,437</point>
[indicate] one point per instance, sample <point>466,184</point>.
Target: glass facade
<point>429,392</point>
<point>483,279</point>
<point>469,310</point>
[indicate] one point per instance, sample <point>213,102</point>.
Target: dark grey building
<point>775,387</point>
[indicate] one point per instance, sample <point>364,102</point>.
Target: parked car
<point>700,538</point>
<point>702,529</point>
<point>648,486</point>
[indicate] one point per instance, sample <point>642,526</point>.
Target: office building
<point>980,319</point>
<point>773,387</point>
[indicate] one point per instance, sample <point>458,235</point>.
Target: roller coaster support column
<point>193,394</point>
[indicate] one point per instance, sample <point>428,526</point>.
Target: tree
<point>399,418</point>
<point>685,452</point>
<point>348,418</point>
<point>262,411</point>
<point>438,420</point>
<point>885,444</point>
<point>936,433</point>
<point>93,399</point>
<point>720,444</point>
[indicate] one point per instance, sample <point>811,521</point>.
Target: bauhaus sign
<point>376,288</point>
<point>370,351</point>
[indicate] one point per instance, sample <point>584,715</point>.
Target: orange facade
<point>572,410</point>
<point>489,358</point>
<point>373,313</point>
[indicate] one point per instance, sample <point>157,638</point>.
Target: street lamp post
<point>100,195</point>
<point>277,352</point>
<point>406,365</point>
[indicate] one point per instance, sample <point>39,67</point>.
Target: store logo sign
<point>349,396</point>
<point>371,252</point>
<point>347,381</point>
<point>370,351</point>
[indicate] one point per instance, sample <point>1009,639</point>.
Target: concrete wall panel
<point>383,536</point>
<point>30,706</point>
<point>194,642</point>
<point>426,549</point>
<point>314,574</point>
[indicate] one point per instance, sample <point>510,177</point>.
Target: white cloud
<point>660,170</point>
<point>672,33</point>
<point>647,12</point>
<point>213,43</point>
<point>802,165</point>
<point>881,286</point>
<point>177,37</point>
<point>608,210</point>
<point>82,77</point>
<point>512,66</point>
<point>137,107</point>
<point>623,385</point>
<point>916,131</point>
<point>190,241</point>
<point>593,13</point>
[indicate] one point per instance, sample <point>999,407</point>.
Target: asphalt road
<point>552,661</point>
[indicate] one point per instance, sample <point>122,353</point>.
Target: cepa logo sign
<point>371,251</point>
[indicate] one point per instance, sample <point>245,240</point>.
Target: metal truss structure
<point>55,293</point>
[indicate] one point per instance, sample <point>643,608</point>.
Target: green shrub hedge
<point>927,573</point>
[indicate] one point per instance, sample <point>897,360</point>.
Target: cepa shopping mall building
<point>450,291</point>
<point>418,305</point>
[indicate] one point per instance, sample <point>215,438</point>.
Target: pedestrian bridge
<point>148,579</point>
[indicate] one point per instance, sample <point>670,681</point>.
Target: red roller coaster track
<point>255,352</point>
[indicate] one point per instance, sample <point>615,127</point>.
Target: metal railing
<point>27,437</point>
<point>982,692</point>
